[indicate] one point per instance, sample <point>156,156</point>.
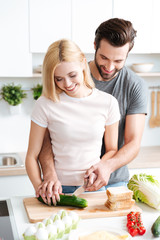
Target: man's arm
<point>50,187</point>
<point>134,128</point>
<point>111,145</point>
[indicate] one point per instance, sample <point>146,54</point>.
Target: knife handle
<point>85,182</point>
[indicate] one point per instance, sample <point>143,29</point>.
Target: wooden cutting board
<point>38,211</point>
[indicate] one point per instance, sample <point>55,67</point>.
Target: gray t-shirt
<point>131,92</point>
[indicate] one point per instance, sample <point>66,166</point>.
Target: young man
<point>113,41</point>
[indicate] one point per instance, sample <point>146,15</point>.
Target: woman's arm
<point>34,147</point>
<point>102,170</point>
<point>110,140</point>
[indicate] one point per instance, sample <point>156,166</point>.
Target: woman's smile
<point>71,88</point>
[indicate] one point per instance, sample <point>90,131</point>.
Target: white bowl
<point>142,67</point>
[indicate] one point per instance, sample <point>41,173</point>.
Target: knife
<point>81,189</point>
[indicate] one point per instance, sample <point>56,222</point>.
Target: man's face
<point>110,60</point>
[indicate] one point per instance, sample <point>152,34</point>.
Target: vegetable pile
<point>58,226</point>
<point>146,188</point>
<point>134,224</point>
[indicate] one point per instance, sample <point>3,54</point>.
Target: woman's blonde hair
<point>62,51</point>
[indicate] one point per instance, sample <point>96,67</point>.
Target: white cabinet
<point>155,36</point>
<point>50,20</point>
<point>15,59</point>
<point>86,17</point>
<point>139,12</point>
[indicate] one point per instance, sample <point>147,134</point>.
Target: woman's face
<point>69,77</point>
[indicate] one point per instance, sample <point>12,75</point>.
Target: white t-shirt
<point>76,127</point>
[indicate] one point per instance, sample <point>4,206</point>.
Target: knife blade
<point>81,189</point>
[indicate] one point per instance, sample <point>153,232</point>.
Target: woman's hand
<point>49,188</point>
<point>101,176</point>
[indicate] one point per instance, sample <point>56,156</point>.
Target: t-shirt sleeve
<point>138,98</point>
<point>39,113</point>
<point>113,111</point>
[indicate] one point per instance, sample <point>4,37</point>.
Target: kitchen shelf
<point>37,74</point>
<point>149,74</point>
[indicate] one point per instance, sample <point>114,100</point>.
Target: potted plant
<point>37,91</point>
<point>13,94</point>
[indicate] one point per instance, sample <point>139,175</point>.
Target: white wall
<point>14,130</point>
<point>151,136</point>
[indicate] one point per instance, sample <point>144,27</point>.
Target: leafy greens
<point>146,188</point>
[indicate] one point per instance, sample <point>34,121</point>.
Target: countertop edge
<point>148,157</point>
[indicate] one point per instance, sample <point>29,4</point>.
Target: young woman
<point>77,116</point>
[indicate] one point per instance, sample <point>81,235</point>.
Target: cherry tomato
<point>134,224</point>
<point>139,224</point>
<point>131,220</point>
<point>138,216</point>
<point>130,215</point>
<point>133,231</point>
<point>130,224</point>
<point>141,230</point>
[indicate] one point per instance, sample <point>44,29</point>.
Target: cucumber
<point>67,200</point>
<point>156,227</point>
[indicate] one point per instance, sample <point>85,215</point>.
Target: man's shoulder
<point>130,79</point>
<point>131,76</point>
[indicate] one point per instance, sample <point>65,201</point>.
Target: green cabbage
<point>146,188</point>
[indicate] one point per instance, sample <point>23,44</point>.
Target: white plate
<point>84,232</point>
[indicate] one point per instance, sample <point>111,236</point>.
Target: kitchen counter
<point>148,157</point>
<point>149,215</point>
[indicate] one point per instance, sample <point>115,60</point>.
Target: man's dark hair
<point>117,32</point>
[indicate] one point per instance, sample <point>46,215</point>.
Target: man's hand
<point>100,178</point>
<point>51,186</point>
<point>48,189</point>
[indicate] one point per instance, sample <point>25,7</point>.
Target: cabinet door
<point>15,59</point>
<point>155,36</point>
<point>139,12</point>
<point>86,17</point>
<point>50,20</point>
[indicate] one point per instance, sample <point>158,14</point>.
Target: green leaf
<point>37,91</point>
<point>13,94</point>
